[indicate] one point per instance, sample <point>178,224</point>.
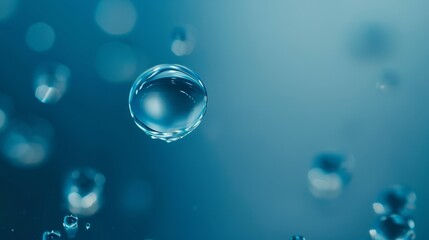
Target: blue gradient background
<point>284,83</point>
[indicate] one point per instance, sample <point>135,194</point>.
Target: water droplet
<point>297,237</point>
<point>372,41</point>
<point>183,41</point>
<point>5,110</point>
<point>116,17</point>
<point>51,235</point>
<point>116,62</point>
<point>389,81</point>
<point>393,227</point>
<point>50,82</point>
<point>329,174</point>
<point>40,37</point>
<point>396,199</point>
<point>168,102</point>
<point>88,226</point>
<point>70,224</point>
<point>7,8</point>
<point>83,191</point>
<point>27,143</point>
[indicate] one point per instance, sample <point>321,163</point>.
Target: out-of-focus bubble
<point>27,144</point>
<point>330,173</point>
<point>393,227</point>
<point>388,82</point>
<point>136,198</point>
<point>372,41</point>
<point>396,199</point>
<point>70,225</point>
<point>51,235</point>
<point>168,102</point>
<point>5,110</point>
<point>88,226</point>
<point>84,191</point>
<point>183,41</point>
<point>116,62</point>
<point>297,237</point>
<point>7,8</point>
<point>116,17</point>
<point>40,37</point>
<point>50,82</point>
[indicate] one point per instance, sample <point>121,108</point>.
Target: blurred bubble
<point>116,17</point>
<point>330,173</point>
<point>83,191</point>
<point>27,143</point>
<point>88,226</point>
<point>116,62</point>
<point>168,102</point>
<point>388,82</point>
<point>136,198</point>
<point>5,110</point>
<point>51,235</point>
<point>70,225</point>
<point>393,227</point>
<point>297,237</point>
<point>7,8</point>
<point>183,41</point>
<point>396,199</point>
<point>40,37</point>
<point>372,41</point>
<point>50,82</point>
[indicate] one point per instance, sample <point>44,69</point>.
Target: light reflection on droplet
<point>396,199</point>
<point>183,41</point>
<point>329,175</point>
<point>116,62</point>
<point>27,143</point>
<point>116,17</point>
<point>50,82</point>
<point>40,37</point>
<point>88,226</point>
<point>389,81</point>
<point>83,191</point>
<point>7,8</point>
<point>71,224</point>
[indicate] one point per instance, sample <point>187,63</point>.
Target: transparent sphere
<point>393,227</point>
<point>183,41</point>
<point>40,37</point>
<point>50,82</point>
<point>116,17</point>
<point>88,226</point>
<point>330,173</point>
<point>70,225</point>
<point>27,143</point>
<point>396,199</point>
<point>168,102</point>
<point>51,235</point>
<point>388,82</point>
<point>83,191</point>
<point>297,237</point>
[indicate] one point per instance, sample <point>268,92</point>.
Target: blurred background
<point>286,81</point>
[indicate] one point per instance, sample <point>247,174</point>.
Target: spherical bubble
<point>183,41</point>
<point>396,199</point>
<point>7,8</point>
<point>83,191</point>
<point>116,17</point>
<point>40,37</point>
<point>5,110</point>
<point>50,82</point>
<point>329,175</point>
<point>168,102</point>
<point>297,237</point>
<point>372,41</point>
<point>27,143</point>
<point>388,82</point>
<point>51,235</point>
<point>116,62</point>
<point>393,227</point>
<point>70,224</point>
